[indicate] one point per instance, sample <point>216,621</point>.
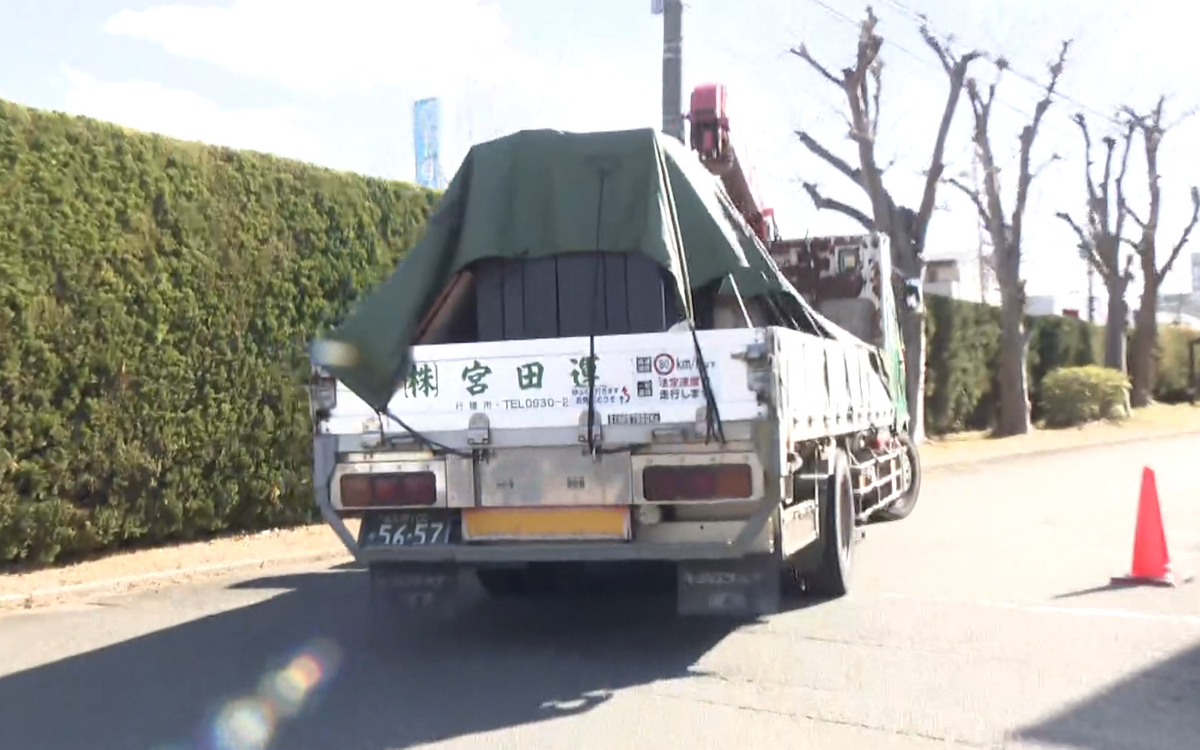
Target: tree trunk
<point>906,259</point>
<point>1014,355</point>
<point>912,329</point>
<point>1145,345</point>
<point>1115,324</point>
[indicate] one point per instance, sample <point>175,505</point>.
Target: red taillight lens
<point>373,490</point>
<point>711,482</point>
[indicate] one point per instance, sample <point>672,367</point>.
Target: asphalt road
<point>981,621</point>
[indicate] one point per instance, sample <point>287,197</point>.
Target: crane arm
<point>709,138</point>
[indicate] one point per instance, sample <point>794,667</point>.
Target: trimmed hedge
<point>961,392</point>
<point>155,298</point>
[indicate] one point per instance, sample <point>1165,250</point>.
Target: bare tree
<point>1007,234</point>
<point>1143,364</point>
<point>1100,242</point>
<point>906,229</point>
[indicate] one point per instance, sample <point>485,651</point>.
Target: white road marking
<point>1054,609</point>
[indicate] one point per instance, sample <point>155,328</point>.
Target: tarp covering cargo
<point>542,192</point>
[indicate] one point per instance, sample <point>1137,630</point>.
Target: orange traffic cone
<point>1151,563</point>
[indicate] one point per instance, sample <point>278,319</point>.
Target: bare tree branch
<point>831,158</point>
<point>974,196</point>
<point>1189,114</point>
<point>877,77</point>
<point>1028,134</point>
<point>957,70</point>
<point>1094,208</point>
<point>1044,165</point>
<point>1087,246</point>
<point>1119,224</point>
<point>1128,211</point>
<point>803,53</point>
<point>822,203</point>
<point>1152,130</point>
<point>1183,238</point>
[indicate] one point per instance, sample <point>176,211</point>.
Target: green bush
<point>963,359</point>
<point>1171,377</point>
<point>155,298</point>
<point>1076,395</point>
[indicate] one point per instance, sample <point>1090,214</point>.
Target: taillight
<point>708,482</point>
<point>387,490</point>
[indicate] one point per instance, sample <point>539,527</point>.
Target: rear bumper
<point>750,536</point>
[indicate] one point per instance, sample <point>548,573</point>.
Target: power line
<point>923,60</point>
<point>993,59</point>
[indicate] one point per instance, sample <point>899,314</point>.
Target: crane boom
<point>709,138</point>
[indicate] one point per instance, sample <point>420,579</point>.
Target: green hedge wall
<point>964,342</point>
<point>155,298</point>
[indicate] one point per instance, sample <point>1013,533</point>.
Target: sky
<point>334,82</point>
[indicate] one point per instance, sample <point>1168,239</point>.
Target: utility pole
<point>672,69</point>
<point>1091,291</point>
<point>980,234</point>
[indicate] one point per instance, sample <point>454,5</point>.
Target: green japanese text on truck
<point>590,360</point>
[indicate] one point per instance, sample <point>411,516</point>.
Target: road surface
<point>981,621</point>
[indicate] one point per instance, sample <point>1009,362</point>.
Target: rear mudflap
<point>407,588</point>
<point>742,587</point>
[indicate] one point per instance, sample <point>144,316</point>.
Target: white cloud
<point>149,106</point>
<point>327,48</point>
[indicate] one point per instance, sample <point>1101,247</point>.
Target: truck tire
<point>902,506</point>
<point>830,576</point>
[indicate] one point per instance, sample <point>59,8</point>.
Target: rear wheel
<point>830,576</point>
<point>910,468</point>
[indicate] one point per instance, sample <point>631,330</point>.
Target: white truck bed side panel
<point>830,386</point>
<point>640,378</point>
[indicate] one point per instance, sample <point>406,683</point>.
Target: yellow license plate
<point>545,524</point>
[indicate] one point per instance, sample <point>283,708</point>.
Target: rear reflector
<point>388,490</point>
<point>709,482</point>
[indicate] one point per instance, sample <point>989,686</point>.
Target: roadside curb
<point>114,583</point>
<point>986,460</point>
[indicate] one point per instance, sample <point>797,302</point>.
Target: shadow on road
<point>1155,709</point>
<point>496,665</point>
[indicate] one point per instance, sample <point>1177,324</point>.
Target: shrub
<point>1076,395</point>
<point>155,298</point>
<point>1171,376</point>
<point>963,358</point>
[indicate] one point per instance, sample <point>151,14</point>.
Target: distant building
<point>951,277</point>
<point>1179,309</point>
<point>942,278</point>
<point>1041,304</point>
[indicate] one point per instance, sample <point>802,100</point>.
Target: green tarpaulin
<point>543,192</point>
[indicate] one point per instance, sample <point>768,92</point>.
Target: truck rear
<point>493,468</point>
<point>507,407</point>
